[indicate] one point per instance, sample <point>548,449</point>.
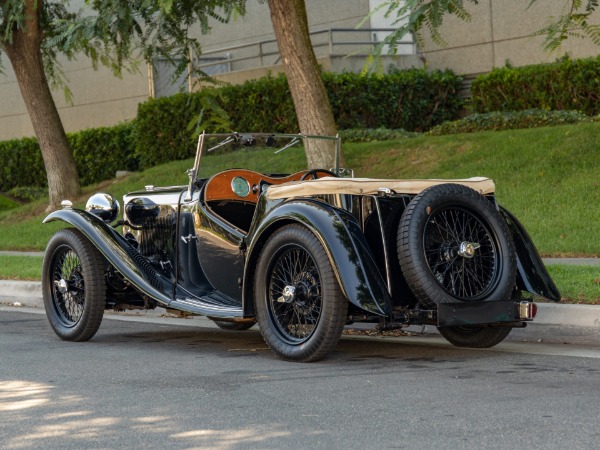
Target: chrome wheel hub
<point>288,294</point>
<point>467,249</point>
<point>62,286</point>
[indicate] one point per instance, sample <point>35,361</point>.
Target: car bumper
<point>503,313</point>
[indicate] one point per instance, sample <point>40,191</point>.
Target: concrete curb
<point>554,322</point>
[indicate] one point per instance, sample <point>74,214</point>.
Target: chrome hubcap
<point>288,294</point>
<point>467,249</point>
<point>62,286</point>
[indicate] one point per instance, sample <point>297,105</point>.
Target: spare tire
<point>453,246</point>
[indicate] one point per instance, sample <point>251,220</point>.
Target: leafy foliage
<point>497,121</point>
<point>573,22</point>
<point>22,164</point>
<point>110,32</point>
<point>564,85</point>
<point>413,100</point>
<point>410,17</point>
<point>28,193</point>
<point>99,153</point>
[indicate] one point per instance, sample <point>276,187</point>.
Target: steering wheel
<point>314,174</point>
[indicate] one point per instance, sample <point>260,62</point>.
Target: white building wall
<point>502,31</point>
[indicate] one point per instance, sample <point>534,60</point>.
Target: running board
<point>214,304</point>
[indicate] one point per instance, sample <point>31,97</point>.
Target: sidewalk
<point>554,322</point>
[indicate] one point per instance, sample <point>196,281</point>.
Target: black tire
<point>304,322</point>
<point>474,337</point>
<point>73,286</point>
<point>453,245</point>
<point>233,326</point>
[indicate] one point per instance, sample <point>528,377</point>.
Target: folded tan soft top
<point>368,186</point>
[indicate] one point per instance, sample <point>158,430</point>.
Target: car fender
<point>532,275</point>
<point>343,241</point>
<point>118,252</point>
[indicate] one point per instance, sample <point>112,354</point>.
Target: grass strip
<point>577,284</point>
<point>21,267</point>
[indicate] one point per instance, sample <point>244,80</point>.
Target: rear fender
<point>344,243</point>
<point>118,253</point>
<point>532,275</point>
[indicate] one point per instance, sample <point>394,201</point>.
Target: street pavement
<point>154,384</point>
<point>553,323</point>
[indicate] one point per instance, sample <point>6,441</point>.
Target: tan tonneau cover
<point>368,186</point>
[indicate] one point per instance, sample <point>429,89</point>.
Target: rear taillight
<point>526,310</point>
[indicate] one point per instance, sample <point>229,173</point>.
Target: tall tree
<point>22,24</point>
<point>34,32</point>
<point>312,106</point>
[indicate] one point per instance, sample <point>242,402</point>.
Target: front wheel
<point>299,304</point>
<point>73,285</point>
<point>474,337</point>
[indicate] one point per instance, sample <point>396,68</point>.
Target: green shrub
<point>22,164</point>
<point>28,193</point>
<point>98,152</point>
<point>531,118</point>
<point>564,85</point>
<point>413,100</point>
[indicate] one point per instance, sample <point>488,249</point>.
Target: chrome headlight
<point>103,205</point>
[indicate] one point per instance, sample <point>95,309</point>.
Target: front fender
<point>532,274</point>
<point>344,243</point>
<point>118,252</point>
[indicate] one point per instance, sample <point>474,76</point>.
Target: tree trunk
<point>26,60</point>
<point>304,78</point>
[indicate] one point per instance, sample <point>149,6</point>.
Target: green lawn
<point>548,177</point>
<point>20,267</point>
<point>7,203</point>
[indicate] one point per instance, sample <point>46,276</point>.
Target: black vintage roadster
<point>303,254</point>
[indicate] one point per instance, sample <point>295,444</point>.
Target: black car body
<point>302,254</point>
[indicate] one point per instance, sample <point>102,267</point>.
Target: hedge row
<point>98,152</point>
<point>531,118</point>
<point>564,85</point>
<point>413,100</point>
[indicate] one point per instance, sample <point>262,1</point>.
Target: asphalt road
<point>159,385</point>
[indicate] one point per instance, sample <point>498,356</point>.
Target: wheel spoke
<point>467,275</point>
<point>297,319</point>
<point>70,304</point>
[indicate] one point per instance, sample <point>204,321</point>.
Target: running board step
<point>214,304</point>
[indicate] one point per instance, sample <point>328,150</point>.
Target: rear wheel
<point>474,337</point>
<point>299,305</point>
<point>453,246</point>
<point>73,286</point>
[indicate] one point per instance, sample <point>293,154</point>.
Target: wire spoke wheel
<point>294,294</point>
<point>73,285</point>
<point>68,286</point>
<point>299,304</point>
<point>453,246</point>
<point>461,253</point>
